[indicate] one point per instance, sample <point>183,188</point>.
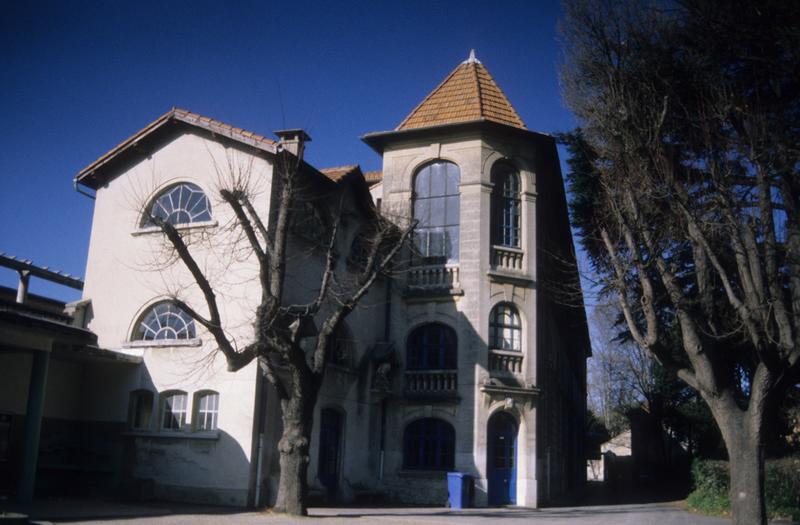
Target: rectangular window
<point>141,407</point>
<point>207,411</point>
<point>174,410</point>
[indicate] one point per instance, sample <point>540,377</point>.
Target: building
<point>471,360</point>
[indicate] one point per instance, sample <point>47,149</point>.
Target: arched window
<point>436,208</point>
<point>432,346</point>
<point>206,410</point>
<point>164,321</point>
<point>174,404</point>
<point>140,409</point>
<point>429,444</point>
<point>506,206</point>
<point>505,328</point>
<point>183,203</point>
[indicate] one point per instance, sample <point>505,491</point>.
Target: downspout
<point>80,190</point>
<point>387,332</point>
<point>257,446</point>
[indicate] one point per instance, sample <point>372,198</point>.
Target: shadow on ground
<point>604,493</point>
<point>74,509</point>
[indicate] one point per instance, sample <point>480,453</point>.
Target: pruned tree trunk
<point>747,474</point>
<point>293,448</point>
<point>744,441</point>
<point>278,327</point>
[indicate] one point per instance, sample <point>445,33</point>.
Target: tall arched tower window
<point>436,208</point>
<point>506,206</point>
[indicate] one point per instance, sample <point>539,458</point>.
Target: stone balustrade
<point>507,259</point>
<point>433,277</point>
<point>505,361</point>
<point>434,382</point>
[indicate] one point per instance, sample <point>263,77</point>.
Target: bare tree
<point>620,374</point>
<point>279,327</point>
<point>695,199</point>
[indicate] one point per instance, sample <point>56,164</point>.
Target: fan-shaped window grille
<point>184,203</point>
<point>164,321</point>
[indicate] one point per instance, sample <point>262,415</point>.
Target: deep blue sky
<point>76,78</point>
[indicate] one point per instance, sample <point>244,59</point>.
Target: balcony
<point>433,280</point>
<point>505,362</point>
<point>508,265</point>
<point>431,384</point>
<point>506,259</point>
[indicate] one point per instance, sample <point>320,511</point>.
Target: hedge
<point>781,487</point>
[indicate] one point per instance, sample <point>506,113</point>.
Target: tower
<point>493,374</point>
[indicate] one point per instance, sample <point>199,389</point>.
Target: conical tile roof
<point>469,93</point>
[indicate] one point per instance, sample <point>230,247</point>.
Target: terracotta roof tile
<point>210,124</point>
<point>373,177</point>
<point>468,93</point>
<point>337,173</point>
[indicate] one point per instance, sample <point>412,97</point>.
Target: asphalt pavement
<point>108,513</point>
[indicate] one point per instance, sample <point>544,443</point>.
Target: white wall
<point>128,270</point>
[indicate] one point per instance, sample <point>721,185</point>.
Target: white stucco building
<point>468,360</point>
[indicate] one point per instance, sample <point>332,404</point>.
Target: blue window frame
<point>429,444</point>
<point>432,346</point>
<point>507,205</point>
<point>437,208</point>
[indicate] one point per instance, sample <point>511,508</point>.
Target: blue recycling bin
<point>459,490</point>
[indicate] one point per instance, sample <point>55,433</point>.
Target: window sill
<point>162,343</point>
<point>422,473</point>
<point>188,226</point>
<point>502,275</point>
<point>508,353</point>
<point>512,249</point>
<point>441,396</point>
<point>212,435</point>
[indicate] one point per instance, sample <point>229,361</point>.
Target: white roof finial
<point>472,59</point>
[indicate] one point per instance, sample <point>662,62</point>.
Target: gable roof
<point>90,175</point>
<point>468,94</point>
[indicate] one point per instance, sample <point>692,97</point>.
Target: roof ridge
<point>182,115</point>
<point>474,62</point>
<point>343,166</point>
<point>424,100</point>
<point>503,94</point>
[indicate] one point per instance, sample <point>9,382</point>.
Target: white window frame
<point>169,411</point>
<point>202,414</point>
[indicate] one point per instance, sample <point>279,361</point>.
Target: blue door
<point>330,433</point>
<point>502,461</point>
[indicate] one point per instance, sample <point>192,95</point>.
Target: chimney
<point>292,139</point>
